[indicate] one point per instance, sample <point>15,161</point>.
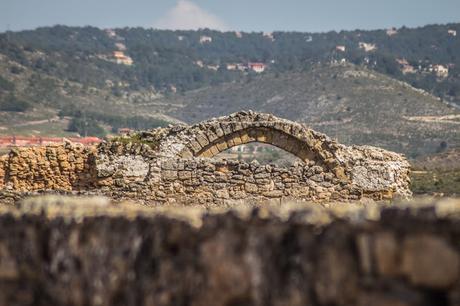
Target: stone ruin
<point>176,165</point>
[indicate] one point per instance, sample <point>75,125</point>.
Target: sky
<point>238,15</point>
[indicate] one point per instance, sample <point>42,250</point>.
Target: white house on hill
<point>205,39</point>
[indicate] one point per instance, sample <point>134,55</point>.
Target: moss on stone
<point>135,138</point>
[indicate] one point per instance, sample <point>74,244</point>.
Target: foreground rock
<point>176,165</point>
<point>58,251</point>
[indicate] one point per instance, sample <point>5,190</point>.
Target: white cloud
<point>186,15</point>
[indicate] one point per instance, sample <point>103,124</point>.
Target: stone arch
<point>265,135</point>
<point>209,138</point>
<point>160,165</point>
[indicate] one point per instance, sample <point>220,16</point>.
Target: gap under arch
<point>265,135</point>
<point>263,153</point>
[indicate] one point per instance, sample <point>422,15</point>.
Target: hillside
<point>348,102</point>
<point>64,81</point>
<point>36,103</point>
<point>437,174</point>
<point>355,105</point>
<point>169,61</point>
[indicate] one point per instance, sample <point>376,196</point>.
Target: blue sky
<point>246,15</point>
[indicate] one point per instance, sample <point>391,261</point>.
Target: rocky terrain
<point>87,251</point>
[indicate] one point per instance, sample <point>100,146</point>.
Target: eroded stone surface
<point>54,167</point>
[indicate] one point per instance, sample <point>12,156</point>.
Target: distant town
<point>442,71</point>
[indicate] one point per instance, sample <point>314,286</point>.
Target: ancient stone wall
<point>53,167</point>
<point>3,166</point>
<point>87,252</point>
<point>123,173</point>
<point>176,165</point>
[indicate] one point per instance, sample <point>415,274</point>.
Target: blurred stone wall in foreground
<point>58,251</point>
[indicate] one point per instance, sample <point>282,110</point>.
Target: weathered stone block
<point>222,145</point>
<point>251,188</point>
<point>262,175</point>
<point>214,150</point>
<point>186,153</point>
<point>222,194</point>
<point>430,261</point>
<point>207,154</point>
<point>211,135</point>
<point>244,137</point>
<point>202,140</point>
<point>217,130</point>
<point>273,194</point>
<point>226,127</point>
<point>184,175</point>
<point>386,252</point>
<point>169,175</point>
<point>195,146</point>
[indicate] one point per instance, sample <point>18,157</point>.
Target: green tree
<point>13,104</point>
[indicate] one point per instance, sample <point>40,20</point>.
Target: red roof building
<point>22,141</point>
<point>257,67</point>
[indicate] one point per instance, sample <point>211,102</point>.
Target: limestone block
<point>261,136</point>
<point>430,261</point>
<point>386,252</point>
<point>244,137</point>
<point>217,130</point>
<point>237,140</point>
<point>262,175</point>
<point>195,146</point>
<point>127,166</point>
<point>236,126</point>
<point>206,154</point>
<point>337,283</point>
<point>252,135</point>
<point>210,135</point>
<point>238,194</point>
<point>214,150</point>
<point>363,242</point>
<point>202,140</point>
<point>184,175</point>
<point>8,265</point>
<point>226,127</point>
<point>273,194</point>
<point>222,194</point>
<point>251,188</point>
<point>186,153</point>
<point>169,175</point>
<point>193,182</point>
<point>172,165</point>
<point>222,145</point>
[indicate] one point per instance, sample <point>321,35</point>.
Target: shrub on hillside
<point>115,121</point>
<point>6,85</point>
<point>13,104</point>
